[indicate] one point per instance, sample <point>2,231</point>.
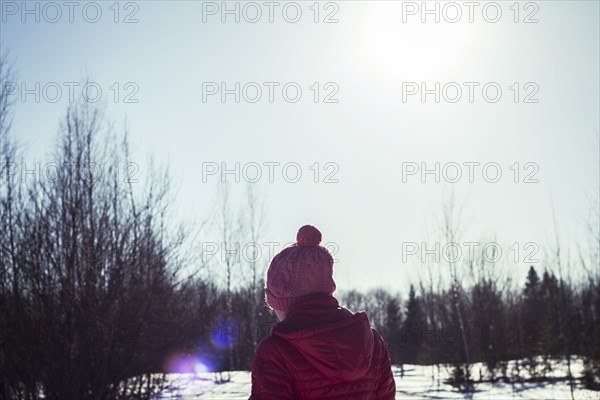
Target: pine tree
<point>489,313</point>
<point>532,320</point>
<point>413,327</point>
<point>393,326</point>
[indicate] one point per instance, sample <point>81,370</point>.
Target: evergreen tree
<point>393,326</point>
<point>532,319</point>
<point>488,312</point>
<point>413,327</point>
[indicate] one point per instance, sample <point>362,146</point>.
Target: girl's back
<point>319,350</point>
<point>322,351</point>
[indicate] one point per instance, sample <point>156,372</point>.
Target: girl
<point>319,350</point>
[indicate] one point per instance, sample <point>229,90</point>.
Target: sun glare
<point>407,48</point>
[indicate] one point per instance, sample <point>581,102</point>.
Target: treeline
<point>97,297</point>
<point>547,319</point>
<point>101,289</point>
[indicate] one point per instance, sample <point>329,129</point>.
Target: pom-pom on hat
<point>301,269</point>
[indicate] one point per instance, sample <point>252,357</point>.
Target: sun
<point>409,48</point>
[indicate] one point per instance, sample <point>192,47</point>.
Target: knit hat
<point>301,269</point>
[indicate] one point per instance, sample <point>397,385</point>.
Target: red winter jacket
<point>322,351</point>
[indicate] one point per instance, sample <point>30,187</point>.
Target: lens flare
<point>187,364</point>
<point>225,332</point>
<point>200,367</point>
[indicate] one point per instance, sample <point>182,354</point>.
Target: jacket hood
<point>337,342</point>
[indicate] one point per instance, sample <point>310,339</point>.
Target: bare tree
<point>254,223</point>
<point>229,232</point>
<point>88,270</point>
<point>10,202</point>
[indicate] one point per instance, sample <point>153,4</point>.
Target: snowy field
<point>418,382</point>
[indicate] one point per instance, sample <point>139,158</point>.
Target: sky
<point>343,93</point>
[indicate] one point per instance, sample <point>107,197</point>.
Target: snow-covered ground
<point>418,382</point>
